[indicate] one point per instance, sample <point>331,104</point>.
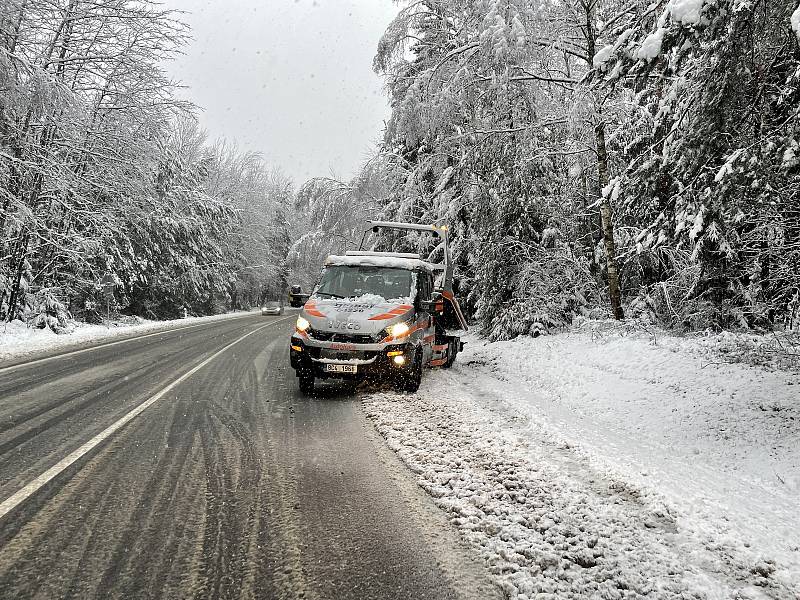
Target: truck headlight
<point>398,330</point>
<point>302,324</point>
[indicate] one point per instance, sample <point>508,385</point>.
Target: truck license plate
<point>329,368</point>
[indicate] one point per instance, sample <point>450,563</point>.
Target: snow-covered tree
<point>82,96</point>
<point>332,216</point>
<point>712,183</point>
<point>494,133</point>
<point>105,177</point>
<point>653,144</point>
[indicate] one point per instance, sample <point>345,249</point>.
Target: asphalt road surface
<point>187,465</point>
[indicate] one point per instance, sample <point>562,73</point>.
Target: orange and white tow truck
<point>378,315</point>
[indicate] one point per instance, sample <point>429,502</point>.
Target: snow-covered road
<point>611,465</point>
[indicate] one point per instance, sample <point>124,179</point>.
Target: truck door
<point>425,319</point>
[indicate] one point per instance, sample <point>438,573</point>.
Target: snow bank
<point>611,465</point>
<point>795,20</point>
<point>18,340</point>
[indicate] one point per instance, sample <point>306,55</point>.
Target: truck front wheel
<point>409,381</point>
<point>451,357</point>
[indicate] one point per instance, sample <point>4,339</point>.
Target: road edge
<point>466,571</point>
<point>114,337</point>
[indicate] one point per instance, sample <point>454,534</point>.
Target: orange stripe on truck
<point>311,309</point>
<point>395,312</point>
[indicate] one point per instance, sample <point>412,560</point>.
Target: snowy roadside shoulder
<point>17,340</point>
<point>612,467</point>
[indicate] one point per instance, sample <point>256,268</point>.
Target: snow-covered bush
<point>780,350</point>
<point>538,290</point>
<point>47,311</point>
<point>676,303</point>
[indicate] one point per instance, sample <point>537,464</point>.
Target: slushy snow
<point>607,463</point>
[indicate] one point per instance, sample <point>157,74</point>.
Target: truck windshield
<point>356,281</point>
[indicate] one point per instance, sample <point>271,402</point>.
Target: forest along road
<point>187,465</point>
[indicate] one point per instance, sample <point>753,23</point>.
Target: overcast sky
<point>291,79</point>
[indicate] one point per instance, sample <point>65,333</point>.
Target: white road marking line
<point>105,345</point>
<point>34,486</point>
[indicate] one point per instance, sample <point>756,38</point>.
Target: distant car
<point>272,307</point>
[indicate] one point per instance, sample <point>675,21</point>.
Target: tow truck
<point>380,315</point>
<point>296,297</point>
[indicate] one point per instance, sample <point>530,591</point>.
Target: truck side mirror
<point>434,306</point>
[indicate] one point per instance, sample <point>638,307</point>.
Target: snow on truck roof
<point>437,231</point>
<point>393,260</point>
<point>372,253</point>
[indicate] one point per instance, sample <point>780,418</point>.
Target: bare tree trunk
<point>607,223</point>
<point>606,220</point>
<point>16,282</point>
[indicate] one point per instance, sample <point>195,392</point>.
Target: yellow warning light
<point>297,348</point>
<point>395,353</point>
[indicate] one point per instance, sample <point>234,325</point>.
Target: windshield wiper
<point>329,294</point>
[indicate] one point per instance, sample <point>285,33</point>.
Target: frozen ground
<point>17,340</point>
<point>606,463</point>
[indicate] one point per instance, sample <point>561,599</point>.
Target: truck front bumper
<point>367,361</point>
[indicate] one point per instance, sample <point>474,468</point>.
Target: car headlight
<point>398,330</point>
<point>302,324</point>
